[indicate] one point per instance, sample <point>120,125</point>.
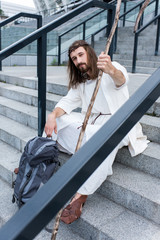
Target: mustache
<point>81,64</point>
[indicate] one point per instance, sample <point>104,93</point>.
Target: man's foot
<point>73,211</point>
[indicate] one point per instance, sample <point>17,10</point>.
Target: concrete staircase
<point>127,205</point>
<point>146,61</point>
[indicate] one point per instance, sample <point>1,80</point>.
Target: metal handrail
<point>36,214</point>
<point>142,28</point>
<point>136,40</point>
<point>41,35</point>
<point>32,217</point>
<point>13,18</point>
<point>71,29</point>
<point>137,5</point>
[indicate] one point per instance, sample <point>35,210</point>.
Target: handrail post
<point>156,9</point>
<point>84,30</point>
<point>139,25</point>
<point>135,53</point>
<point>59,50</point>
<point>142,18</point>
<point>124,10</point>
<point>157,38</point>
<point>110,19</point>
<point>39,25</point>
<point>0,48</point>
<point>92,40</point>
<point>42,50</point>
<point>115,40</point>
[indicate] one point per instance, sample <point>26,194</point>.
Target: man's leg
<point>73,211</point>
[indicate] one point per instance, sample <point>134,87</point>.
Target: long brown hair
<point>75,76</point>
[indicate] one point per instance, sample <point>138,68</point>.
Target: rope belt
<point>93,122</point>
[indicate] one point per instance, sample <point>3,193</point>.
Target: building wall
<point>11,9</point>
<point>50,6</point>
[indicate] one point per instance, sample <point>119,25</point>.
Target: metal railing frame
<point>83,23</point>
<point>42,207</point>
<point>13,18</point>
<point>32,217</point>
<point>138,5</point>
<point>139,30</point>
<point>95,33</point>
<point>41,35</point>
<point>136,40</point>
<point>130,10</point>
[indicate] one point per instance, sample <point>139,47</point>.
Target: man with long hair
<point>83,68</point>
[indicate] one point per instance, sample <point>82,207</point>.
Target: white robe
<point>109,99</point>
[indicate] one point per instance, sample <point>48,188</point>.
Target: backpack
<point>37,164</point>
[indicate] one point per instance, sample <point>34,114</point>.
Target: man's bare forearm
<point>57,112</point>
<point>51,124</point>
<point>117,76</point>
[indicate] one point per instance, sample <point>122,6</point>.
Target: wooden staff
<point>88,113</point>
<point>56,225</point>
<point>98,82</point>
<point>145,4</point>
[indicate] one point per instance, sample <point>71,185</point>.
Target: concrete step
<point>14,133</point>
<point>8,209</point>
<point>148,161</point>
<point>153,58</point>
<point>141,38</point>
<point>19,112</point>
<point>9,161</point>
<point>57,78</point>
<point>140,52</point>
<point>137,191</point>
<point>117,224</point>
<point>15,136</point>
<point>130,42</point>
<point>104,219</point>
<point>123,45</point>
<point>123,39</point>
<point>151,127</point>
<point>149,32</point>
<point>144,70</point>
<point>27,96</point>
<point>144,64</point>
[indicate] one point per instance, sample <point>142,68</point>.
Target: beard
<point>83,67</point>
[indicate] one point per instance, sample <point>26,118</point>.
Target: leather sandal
<point>73,211</point>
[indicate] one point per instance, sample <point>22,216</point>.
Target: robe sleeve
<point>71,101</point>
<point>124,71</point>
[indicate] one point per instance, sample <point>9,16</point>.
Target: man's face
<point>79,58</point>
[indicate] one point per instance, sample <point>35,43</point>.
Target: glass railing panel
<point>131,17</point>
<point>91,26</point>
<point>96,23</point>
<point>15,31</point>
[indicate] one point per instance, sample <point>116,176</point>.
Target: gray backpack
<point>37,164</point>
